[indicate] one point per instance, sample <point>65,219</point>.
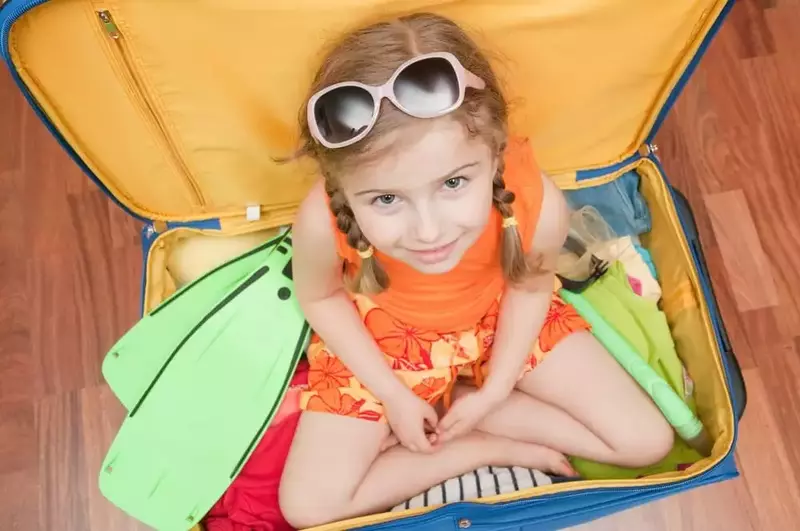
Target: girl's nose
<point>428,228</point>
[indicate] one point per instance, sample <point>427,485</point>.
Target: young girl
<point>423,260</point>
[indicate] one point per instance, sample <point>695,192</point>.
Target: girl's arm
<point>522,314</point>
<point>523,309</point>
<point>317,272</point>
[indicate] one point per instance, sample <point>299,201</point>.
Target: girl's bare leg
<point>579,401</point>
<point>335,469</point>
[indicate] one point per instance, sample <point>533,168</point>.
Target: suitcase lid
<point>178,108</point>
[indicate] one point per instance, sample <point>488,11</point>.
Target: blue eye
<point>453,183</point>
<point>385,199</point>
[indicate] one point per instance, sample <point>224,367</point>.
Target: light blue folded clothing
<point>619,202</point>
<point>648,259</point>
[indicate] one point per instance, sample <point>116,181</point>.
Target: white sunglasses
<point>427,86</point>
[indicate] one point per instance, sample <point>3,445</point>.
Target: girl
<point>423,260</point>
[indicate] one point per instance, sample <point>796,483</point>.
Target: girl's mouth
<point>436,254</point>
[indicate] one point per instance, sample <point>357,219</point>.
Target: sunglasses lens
<point>343,113</point>
<point>428,87</point>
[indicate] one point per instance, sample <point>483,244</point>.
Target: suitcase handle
<point>737,385</point>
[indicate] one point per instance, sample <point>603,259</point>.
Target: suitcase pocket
<point>737,385</point>
<point>133,81</point>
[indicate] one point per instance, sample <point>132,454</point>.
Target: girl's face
<point>428,202</point>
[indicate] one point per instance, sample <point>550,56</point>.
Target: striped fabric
<point>486,481</point>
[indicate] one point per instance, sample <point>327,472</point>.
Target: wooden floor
<point>70,270</point>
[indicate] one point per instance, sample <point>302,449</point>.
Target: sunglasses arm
<point>474,81</point>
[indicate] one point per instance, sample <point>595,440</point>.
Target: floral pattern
<point>488,326</point>
<point>333,401</point>
<point>562,320</point>
<point>409,348</point>
<point>430,389</point>
<point>328,372</point>
<point>428,362</point>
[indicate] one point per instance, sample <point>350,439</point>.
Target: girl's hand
<point>465,414</point>
<point>408,416</point>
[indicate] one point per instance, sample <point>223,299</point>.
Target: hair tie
<point>366,254</point>
<point>510,221</point>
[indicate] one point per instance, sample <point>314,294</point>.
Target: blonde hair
<point>371,55</point>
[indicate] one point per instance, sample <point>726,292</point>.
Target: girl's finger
<point>449,419</point>
<point>450,433</point>
<point>421,440</point>
<point>431,417</point>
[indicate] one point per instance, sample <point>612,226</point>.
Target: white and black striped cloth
<point>486,481</point>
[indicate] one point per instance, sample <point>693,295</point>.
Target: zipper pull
<point>648,149</point>
<point>109,24</point>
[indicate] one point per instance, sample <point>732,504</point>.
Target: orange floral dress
<point>428,362</point>
<point>434,329</point>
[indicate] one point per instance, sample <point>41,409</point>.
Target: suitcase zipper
<point>646,150</point>
<point>144,100</point>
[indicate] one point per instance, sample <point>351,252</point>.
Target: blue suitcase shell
<point>34,61</point>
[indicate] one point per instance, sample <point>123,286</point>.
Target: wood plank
<point>14,111</point>
<point>64,330</point>
<point>770,154</point>
<point>682,171</point>
<point>19,500</point>
<point>696,126</point>
<point>745,262</point>
<point>734,323</point>
<point>764,332</point>
<point>62,469</point>
<point>82,302</point>
<point>18,378</point>
<point>101,416</point>
<point>17,436</point>
<point>45,193</point>
<point>750,26</point>
<point>762,163</point>
<point>125,229</point>
<point>783,25</point>
<point>779,369</point>
<point>764,462</point>
<point>724,506</point>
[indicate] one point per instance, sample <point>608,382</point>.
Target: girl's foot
<point>537,457</point>
<point>516,453</point>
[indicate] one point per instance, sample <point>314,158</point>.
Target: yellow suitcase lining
<point>135,63</point>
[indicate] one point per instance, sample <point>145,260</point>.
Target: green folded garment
<point>626,323</point>
<point>202,376</point>
<point>677,413</point>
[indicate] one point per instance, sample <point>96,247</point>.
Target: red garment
<point>251,502</point>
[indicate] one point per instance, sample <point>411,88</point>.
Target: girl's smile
<point>428,202</point>
<point>436,254</point>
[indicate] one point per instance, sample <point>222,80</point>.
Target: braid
<point>501,197</point>
<point>370,278</point>
<point>516,266</point>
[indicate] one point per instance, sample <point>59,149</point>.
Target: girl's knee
<point>303,509</point>
<point>649,447</point>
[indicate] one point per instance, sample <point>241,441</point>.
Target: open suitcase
<point>176,109</point>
